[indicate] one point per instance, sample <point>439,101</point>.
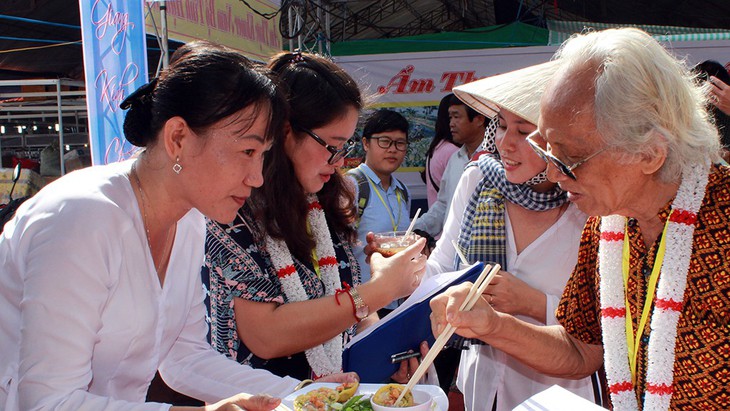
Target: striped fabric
<point>482,234</point>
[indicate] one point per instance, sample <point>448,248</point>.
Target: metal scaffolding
<point>305,24</point>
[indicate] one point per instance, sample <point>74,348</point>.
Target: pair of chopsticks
<point>475,292</point>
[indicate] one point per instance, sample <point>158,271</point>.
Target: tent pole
<point>290,21</point>
<point>59,110</point>
<point>163,27</point>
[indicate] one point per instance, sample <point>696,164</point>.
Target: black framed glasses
<point>336,154</point>
<point>386,142</point>
<point>547,157</point>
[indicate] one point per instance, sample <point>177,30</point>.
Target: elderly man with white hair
<point>629,139</point>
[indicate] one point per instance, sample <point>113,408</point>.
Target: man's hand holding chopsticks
<point>481,321</point>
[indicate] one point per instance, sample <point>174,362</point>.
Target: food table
<point>440,401</point>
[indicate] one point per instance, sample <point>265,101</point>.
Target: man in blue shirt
<point>383,201</point>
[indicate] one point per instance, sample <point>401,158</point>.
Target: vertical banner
<point>115,64</point>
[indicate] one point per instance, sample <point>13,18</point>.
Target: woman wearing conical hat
<point>505,211</point>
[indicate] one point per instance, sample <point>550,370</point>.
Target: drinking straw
<point>461,255</point>
<point>413,222</point>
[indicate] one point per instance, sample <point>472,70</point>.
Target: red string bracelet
<point>346,290</point>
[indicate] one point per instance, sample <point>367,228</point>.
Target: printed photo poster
<point>115,64</point>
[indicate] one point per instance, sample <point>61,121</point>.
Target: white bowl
<point>422,399</point>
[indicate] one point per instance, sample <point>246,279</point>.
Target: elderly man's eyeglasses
<point>547,157</point>
<point>385,143</point>
<point>335,153</point>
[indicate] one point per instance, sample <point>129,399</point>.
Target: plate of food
<point>357,397</point>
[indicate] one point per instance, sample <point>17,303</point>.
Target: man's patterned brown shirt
<point>702,364</point>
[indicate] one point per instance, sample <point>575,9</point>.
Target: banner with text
<point>422,79</point>
<point>115,64</point>
<point>414,83</point>
<point>228,22</point>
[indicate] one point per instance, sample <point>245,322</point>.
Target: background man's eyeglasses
<point>335,153</point>
<point>385,143</point>
<point>547,157</point>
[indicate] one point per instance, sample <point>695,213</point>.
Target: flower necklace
<point>325,359</point>
<point>669,298</point>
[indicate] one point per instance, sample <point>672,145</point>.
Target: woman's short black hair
<point>204,83</point>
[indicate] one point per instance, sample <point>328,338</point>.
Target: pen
<point>396,358</point>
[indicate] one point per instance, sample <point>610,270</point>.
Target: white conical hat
<point>518,91</point>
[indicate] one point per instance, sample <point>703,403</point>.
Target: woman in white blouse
<point>505,211</point>
<point>101,284</point>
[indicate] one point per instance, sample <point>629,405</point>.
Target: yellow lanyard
<point>393,222</point>
<point>632,341</point>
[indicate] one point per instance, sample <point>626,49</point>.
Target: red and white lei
<point>669,298</point>
<point>324,359</point>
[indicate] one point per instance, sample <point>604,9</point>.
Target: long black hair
<point>442,131</point>
<point>722,121</point>
<point>319,92</point>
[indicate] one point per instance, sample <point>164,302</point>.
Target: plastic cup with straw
<point>391,242</point>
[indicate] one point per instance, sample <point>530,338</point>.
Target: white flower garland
<point>324,359</point>
<point>669,298</point>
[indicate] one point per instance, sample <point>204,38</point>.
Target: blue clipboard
<point>404,329</point>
